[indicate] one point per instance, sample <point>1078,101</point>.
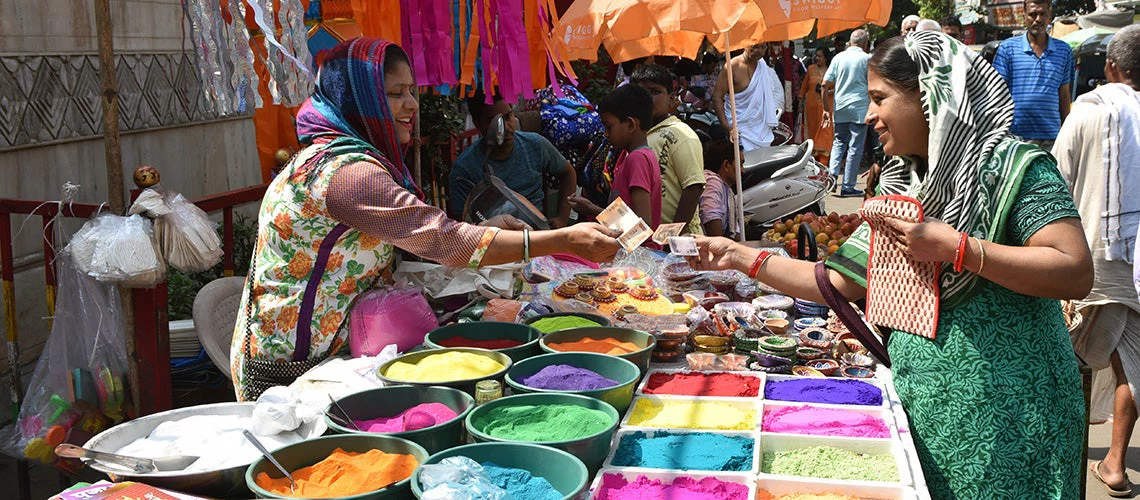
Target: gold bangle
<point>981,256</point>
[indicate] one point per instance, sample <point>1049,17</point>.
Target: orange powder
<point>608,345</point>
<point>343,474</point>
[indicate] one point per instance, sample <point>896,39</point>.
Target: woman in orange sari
<point>811,96</point>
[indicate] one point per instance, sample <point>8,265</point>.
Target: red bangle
<point>759,262</point>
<point>960,253</point>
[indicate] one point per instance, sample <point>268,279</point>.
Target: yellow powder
<point>692,415</point>
<point>765,495</point>
<point>444,367</point>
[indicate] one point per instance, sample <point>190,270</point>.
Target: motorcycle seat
<point>760,164</point>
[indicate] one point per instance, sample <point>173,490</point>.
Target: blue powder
<point>689,451</point>
<point>521,484</point>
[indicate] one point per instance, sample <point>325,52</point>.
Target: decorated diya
<point>827,367</point>
<point>603,295</point>
<point>806,371</point>
<point>587,282</point>
<point>617,285</point>
<point>816,337</point>
<point>643,292</point>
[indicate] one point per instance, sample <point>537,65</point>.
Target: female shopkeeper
<point>331,221</point>
<point>994,400</point>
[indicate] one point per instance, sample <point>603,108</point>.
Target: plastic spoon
<point>269,456</point>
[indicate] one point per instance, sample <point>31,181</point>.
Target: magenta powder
<point>567,378</point>
<point>617,487</point>
<point>824,390</point>
<point>419,416</point>
<point>822,421</point>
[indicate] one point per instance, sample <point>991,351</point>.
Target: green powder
<point>831,463</point>
<point>559,323</point>
<point>542,423</point>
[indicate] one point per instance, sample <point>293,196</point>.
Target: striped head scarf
<point>349,110</point>
<point>974,165</point>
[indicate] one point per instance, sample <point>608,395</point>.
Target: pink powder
<point>617,487</point>
<point>437,412</point>
<point>823,422</point>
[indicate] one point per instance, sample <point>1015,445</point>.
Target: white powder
<point>216,439</point>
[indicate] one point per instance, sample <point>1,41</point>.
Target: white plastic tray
<point>884,414</point>
<point>747,480</point>
<point>744,404</point>
<point>777,378</point>
<point>645,381</point>
<point>621,433</point>
<point>869,491</point>
<point>773,443</point>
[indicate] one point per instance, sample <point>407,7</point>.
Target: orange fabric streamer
<point>378,18</point>
<point>344,474</point>
<point>538,68</point>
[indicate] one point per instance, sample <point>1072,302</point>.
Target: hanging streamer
<point>243,81</point>
<point>295,39</point>
<point>482,6</point>
<point>206,27</point>
<point>284,67</point>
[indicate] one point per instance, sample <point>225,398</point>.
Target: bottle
<point>487,390</point>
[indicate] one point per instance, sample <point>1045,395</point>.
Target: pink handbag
<point>902,294</point>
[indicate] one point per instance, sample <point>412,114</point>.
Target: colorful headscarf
<point>974,167</point>
<point>350,111</point>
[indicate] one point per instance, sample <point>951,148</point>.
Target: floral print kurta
<point>349,212</point>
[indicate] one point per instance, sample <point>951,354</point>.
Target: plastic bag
<point>458,478</point>
<point>396,315</point>
<point>79,387</point>
<point>122,250</point>
<point>281,409</point>
<point>187,236</point>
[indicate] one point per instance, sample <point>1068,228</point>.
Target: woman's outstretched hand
<point>715,254</point>
<point>591,241</point>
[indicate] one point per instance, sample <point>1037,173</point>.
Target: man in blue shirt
<point>846,101</point>
<point>1038,69</point>
<point>521,162</point>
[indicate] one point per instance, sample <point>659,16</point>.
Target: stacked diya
<point>680,278</point>
<point>815,344</point>
<point>775,354</point>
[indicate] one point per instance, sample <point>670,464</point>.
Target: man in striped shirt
<point>1038,69</point>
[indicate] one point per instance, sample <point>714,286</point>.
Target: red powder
<point>482,344</point>
<point>703,384</point>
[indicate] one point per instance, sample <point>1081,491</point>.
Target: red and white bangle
<point>960,252</point>
<point>758,263</point>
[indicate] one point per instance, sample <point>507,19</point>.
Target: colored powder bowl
<point>827,462</point>
<point>559,323</point>
<point>343,474</point>
<point>685,451</point>
<point>672,414</point>
<point>565,472</point>
<point>618,487</point>
<point>520,483</point>
<point>765,495</point>
<point>567,378</point>
<point>703,384</point>
<point>822,390</point>
<point>606,345</point>
<point>540,423</point>
<point>444,367</point>
<point>481,344</point>
<point>417,417</point>
<point>822,422</point>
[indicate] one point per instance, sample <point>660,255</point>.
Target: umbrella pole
<point>735,138</point>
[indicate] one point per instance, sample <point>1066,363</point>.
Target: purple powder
<point>822,390</point>
<point>567,378</point>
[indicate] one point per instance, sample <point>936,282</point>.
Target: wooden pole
<point>418,146</point>
<point>114,160</point>
<point>735,137</point>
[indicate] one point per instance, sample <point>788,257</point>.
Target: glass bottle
<point>487,390</point>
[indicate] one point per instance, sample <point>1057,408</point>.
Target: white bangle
<point>526,245</point>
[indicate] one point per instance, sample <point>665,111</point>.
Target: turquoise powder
<point>688,451</point>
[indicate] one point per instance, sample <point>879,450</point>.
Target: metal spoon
<point>344,413</point>
<point>248,435</point>
<point>139,465</point>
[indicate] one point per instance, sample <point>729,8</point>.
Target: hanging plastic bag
<point>79,387</point>
<point>397,315</point>
<point>187,236</point>
<point>121,250</point>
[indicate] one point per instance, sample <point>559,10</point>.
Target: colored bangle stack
<point>960,252</point>
<point>758,263</point>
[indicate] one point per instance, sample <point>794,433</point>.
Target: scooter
<point>778,181</point>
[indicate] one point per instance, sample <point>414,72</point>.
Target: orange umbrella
<point>833,16</point>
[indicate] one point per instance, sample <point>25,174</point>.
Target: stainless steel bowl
<point>220,483</point>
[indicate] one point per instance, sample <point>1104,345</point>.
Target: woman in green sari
<point>994,400</point>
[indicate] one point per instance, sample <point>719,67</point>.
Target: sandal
<point>1124,492</point>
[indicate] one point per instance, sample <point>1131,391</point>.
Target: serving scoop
<point>139,465</point>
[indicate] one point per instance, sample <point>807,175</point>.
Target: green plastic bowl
<point>390,401</point>
<point>467,385</point>
<point>490,330</point>
<point>637,337</point>
<point>611,367</point>
<point>564,471</point>
<point>300,455</point>
<point>591,450</point>
<point>596,318</point>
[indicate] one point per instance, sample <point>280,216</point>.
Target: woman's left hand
<point>929,241</point>
<point>505,221</point>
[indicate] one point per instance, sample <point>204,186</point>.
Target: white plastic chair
<point>215,313</point>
